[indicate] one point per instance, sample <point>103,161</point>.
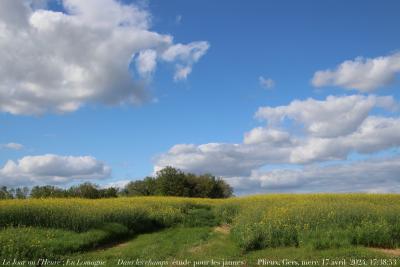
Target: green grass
<point>198,245</point>
<point>273,227</point>
<point>27,242</point>
<point>34,243</point>
<point>163,245</point>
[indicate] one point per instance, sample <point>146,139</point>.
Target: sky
<point>272,96</point>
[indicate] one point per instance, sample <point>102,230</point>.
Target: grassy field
<point>268,230</point>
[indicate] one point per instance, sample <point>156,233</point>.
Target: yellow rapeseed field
<point>317,220</point>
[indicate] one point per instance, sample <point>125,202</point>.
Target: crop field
<point>269,230</point>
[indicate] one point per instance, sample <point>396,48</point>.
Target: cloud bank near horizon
<point>52,169</point>
<point>301,134</point>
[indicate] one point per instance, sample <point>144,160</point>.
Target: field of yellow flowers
<point>52,227</point>
<point>321,221</point>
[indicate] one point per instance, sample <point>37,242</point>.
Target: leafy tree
<point>173,182</point>
<point>108,192</point>
<point>85,190</point>
<point>6,193</point>
<point>147,187</point>
<point>167,182</point>
<point>224,189</point>
<point>47,191</point>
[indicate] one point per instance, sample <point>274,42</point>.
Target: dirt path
<point>390,252</point>
<point>223,229</point>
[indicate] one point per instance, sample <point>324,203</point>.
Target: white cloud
<point>221,159</point>
<point>186,53</point>
<point>373,175</point>
<point>373,135</point>
<point>146,62</point>
<point>52,169</point>
<point>266,135</point>
<point>332,117</point>
<point>182,72</point>
<point>57,62</point>
<point>186,56</point>
<point>334,128</point>
<point>266,83</point>
<point>361,74</point>
<point>13,146</point>
<point>116,184</point>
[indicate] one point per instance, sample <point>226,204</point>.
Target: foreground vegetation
<point>302,225</point>
<point>207,246</point>
<point>320,221</point>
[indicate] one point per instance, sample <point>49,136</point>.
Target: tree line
<point>85,190</point>
<point>167,182</point>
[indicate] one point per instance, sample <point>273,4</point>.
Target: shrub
<point>374,234</point>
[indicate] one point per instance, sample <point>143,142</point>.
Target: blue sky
<point>285,41</point>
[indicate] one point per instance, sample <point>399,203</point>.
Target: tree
<point>47,191</point>
<point>147,187</point>
<point>167,182</point>
<point>85,190</point>
<point>209,186</point>
<point>5,193</point>
<point>173,182</point>
<point>225,190</point>
<point>108,192</point>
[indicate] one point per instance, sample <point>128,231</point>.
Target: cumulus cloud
<point>276,147</point>
<point>373,135</point>
<point>333,129</point>
<point>266,135</point>
<point>13,146</point>
<point>52,169</point>
<point>146,62</point>
<point>57,62</point>
<point>187,55</point>
<point>331,117</point>
<point>363,74</point>
<point>221,159</point>
<point>266,83</point>
<point>373,175</point>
